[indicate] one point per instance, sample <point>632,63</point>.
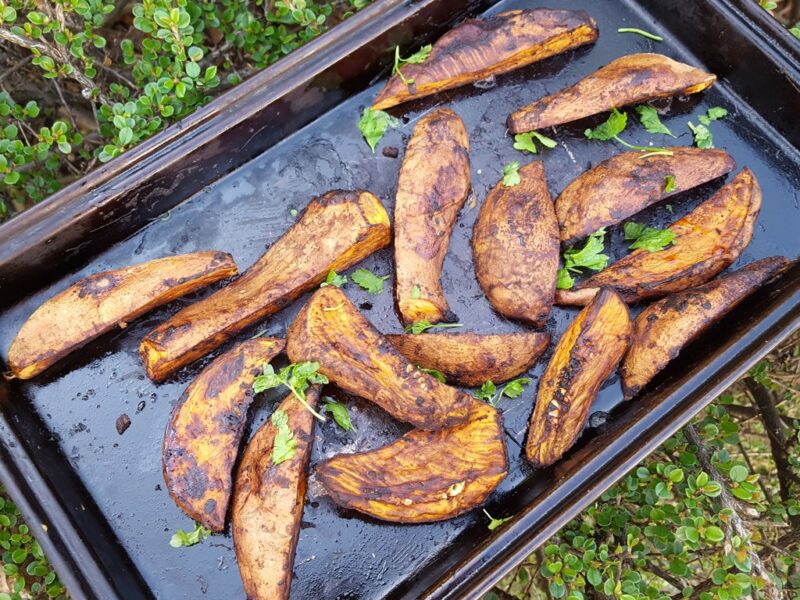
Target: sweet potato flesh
<point>97,303</point>
<point>425,475</point>
<point>268,504</point>
<point>335,231</point>
<point>515,246</point>
<point>585,356</point>
<point>627,80</point>
<point>480,48</point>
<point>202,439</point>
<point>662,330</point>
<point>357,358</point>
<point>433,186</point>
<point>707,240</point>
<point>627,183</point>
<point>470,359</point>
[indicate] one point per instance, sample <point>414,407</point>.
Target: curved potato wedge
<point>424,476</point>
<point>480,48</point>
<point>202,440</point>
<point>433,186</point>
<point>585,356</point>
<point>707,240</point>
<point>515,247</point>
<point>334,232</point>
<point>625,184</point>
<point>268,504</point>
<point>356,357</point>
<point>665,327</point>
<point>470,359</point>
<point>627,80</point>
<point>96,304</point>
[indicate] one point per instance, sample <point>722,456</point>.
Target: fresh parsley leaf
<point>642,32</point>
<point>514,388</point>
<point>524,141</point>
<point>702,136</point>
<point>189,538</point>
<point>717,112</point>
<point>416,292</point>
<point>433,373</point>
<point>297,377</point>
<point>669,208</point>
<point>421,326</point>
<point>334,278</point>
<point>369,281</point>
<point>419,57</point>
<point>486,392</point>
<point>373,125</point>
<point>649,118</point>
<point>511,174</point>
<point>339,413</point>
<point>589,257</point>
<point>284,446</point>
<point>495,523</point>
<point>614,125</point>
<point>648,238</point>
<point>565,280</point>
<point>669,183</point>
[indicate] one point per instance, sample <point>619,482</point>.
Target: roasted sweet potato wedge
<point>202,439</point>
<point>626,183</point>
<point>356,357</point>
<point>707,240</point>
<point>470,359</point>
<point>425,475</point>
<point>334,232</point>
<point>268,504</point>
<point>480,48</point>
<point>96,304</point>
<point>433,186</point>
<point>515,247</point>
<point>662,329</point>
<point>627,80</point>
<point>585,356</point>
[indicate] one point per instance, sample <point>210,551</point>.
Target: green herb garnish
<point>488,391</point>
<point>642,32</point>
<point>416,292</point>
<point>524,141</point>
<point>189,538</point>
<point>589,257</point>
<point>339,413</point>
<point>334,279</point>
<point>420,56</point>
<point>373,125</point>
<point>649,118</point>
<point>701,133</point>
<point>614,125</point>
<point>369,281</point>
<point>511,174</point>
<point>421,326</point>
<point>495,523</point>
<point>433,373</point>
<point>648,238</point>
<point>669,183</point>
<point>297,377</point>
<point>284,446</point>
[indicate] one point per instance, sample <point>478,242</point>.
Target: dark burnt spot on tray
<point>99,285</point>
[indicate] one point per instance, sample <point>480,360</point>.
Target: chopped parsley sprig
<point>285,445</point>
<point>488,391</point>
<point>589,257</point>
<point>297,377</point>
<point>648,238</point>
<point>419,57</point>
<point>422,326</point>
<point>613,126</point>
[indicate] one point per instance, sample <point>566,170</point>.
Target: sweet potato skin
<point>625,184</point>
<point>268,504</point>
<point>707,240</point>
<point>662,330</point>
<point>356,357</point>
<point>96,304</point>
<point>433,186</point>
<point>469,359</point>
<point>515,247</point>
<point>627,80</point>
<point>335,231</point>
<point>583,359</point>
<point>480,48</point>
<point>202,439</point>
<point>424,476</point>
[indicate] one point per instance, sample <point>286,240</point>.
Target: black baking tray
<point>229,177</point>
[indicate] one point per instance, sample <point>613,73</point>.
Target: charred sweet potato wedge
<point>627,183</point>
<point>433,186</point>
<point>583,359</point>
<point>268,504</point>
<point>662,329</point>
<point>515,247</point>
<point>470,359</point>
<point>206,427</point>
<point>424,476</point>
<point>96,304</point>
<point>334,232</point>
<point>356,357</point>
<point>707,240</point>
<point>480,48</point>
<point>627,80</point>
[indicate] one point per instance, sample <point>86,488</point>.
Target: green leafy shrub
<point>115,78</point>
